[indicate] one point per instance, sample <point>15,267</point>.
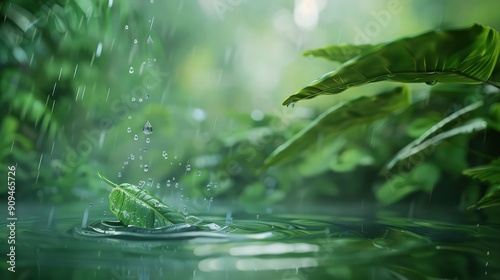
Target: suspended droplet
<point>176,185</point>
<point>148,140</point>
<point>164,154</point>
<point>133,99</point>
<point>149,40</point>
<point>148,86</point>
<point>129,129</point>
<point>144,149</point>
<point>126,26</point>
<point>168,183</point>
<point>146,168</point>
<point>129,117</point>
<point>216,185</point>
<point>136,137</point>
<point>158,185</point>
<point>119,174</point>
<point>147,96</point>
<point>135,41</point>
<point>140,99</point>
<point>431,83</point>
<point>132,157</point>
<point>291,105</point>
<point>125,162</point>
<point>188,167</point>
<point>198,173</point>
<point>147,129</point>
<point>90,204</point>
<point>131,70</point>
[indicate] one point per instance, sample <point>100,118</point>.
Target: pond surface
<point>57,243</point>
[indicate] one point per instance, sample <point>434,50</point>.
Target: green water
<point>50,244</point>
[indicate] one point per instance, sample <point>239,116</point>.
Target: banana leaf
<point>339,118</point>
<point>136,207</point>
<point>490,199</point>
<point>466,55</point>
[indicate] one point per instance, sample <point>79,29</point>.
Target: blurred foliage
<point>79,79</point>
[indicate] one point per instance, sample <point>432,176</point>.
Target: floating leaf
<point>466,55</point>
<point>339,118</point>
<point>421,143</point>
<point>137,207</point>
<point>488,173</point>
<point>490,199</point>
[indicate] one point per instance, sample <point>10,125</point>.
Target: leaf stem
<point>106,180</point>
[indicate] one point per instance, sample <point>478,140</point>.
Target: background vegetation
<point>212,76</point>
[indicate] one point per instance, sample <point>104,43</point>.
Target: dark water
<point>57,243</point>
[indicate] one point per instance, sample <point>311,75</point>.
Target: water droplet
<point>148,86</point>
<point>147,129</point>
<point>119,174</point>
<point>431,83</point>
<point>129,117</point>
<point>135,41</point>
<point>148,140</point>
<point>164,154</point>
<point>147,96</point>
<point>125,162</point>
<point>126,26</point>
<point>257,217</point>
<point>140,99</point>
<point>132,157</point>
<point>136,137</point>
<point>129,129</point>
<point>176,185</point>
<point>90,204</point>
<point>168,183</point>
<point>138,220</point>
<point>188,167</point>
<point>149,40</point>
<point>144,149</point>
<point>216,185</point>
<point>131,70</point>
<point>198,173</point>
<point>146,168</point>
<point>158,185</point>
<point>133,99</point>
<point>291,104</point>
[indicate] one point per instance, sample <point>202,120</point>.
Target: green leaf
<point>340,53</point>
<point>137,207</point>
<point>339,118</point>
<point>488,173</point>
<point>464,55</point>
<point>490,199</point>
<point>424,141</point>
<point>421,178</point>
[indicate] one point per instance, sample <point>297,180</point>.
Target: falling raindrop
<point>119,174</point>
<point>126,26</point>
<point>147,129</point>
<point>129,117</point>
<point>148,86</point>
<point>257,217</point>
<point>135,41</point>
<point>176,185</point>
<point>146,168</point>
<point>188,167</point>
<point>158,185</point>
<point>136,137</point>
<point>129,129</point>
<point>168,183</point>
<point>198,173</point>
<point>164,154</point>
<point>140,99</point>
<point>133,99</point>
<point>147,96</point>
<point>149,40</point>
<point>125,162</point>
<point>90,204</point>
<point>144,149</point>
<point>132,157</point>
<point>131,70</point>
<point>148,140</point>
<point>216,185</point>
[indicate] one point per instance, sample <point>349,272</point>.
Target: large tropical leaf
<point>137,207</point>
<point>424,141</point>
<point>340,53</point>
<point>344,115</point>
<point>466,55</point>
